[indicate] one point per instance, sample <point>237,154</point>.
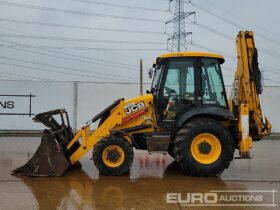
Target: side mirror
<point>151,72</point>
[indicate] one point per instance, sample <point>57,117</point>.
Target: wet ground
<point>146,187</point>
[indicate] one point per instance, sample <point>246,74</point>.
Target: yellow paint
<point>213,155</point>
<point>193,54</point>
<point>247,100</point>
<point>114,122</point>
<point>105,156</point>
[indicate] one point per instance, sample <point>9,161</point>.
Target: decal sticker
<point>133,116</point>
<point>134,107</point>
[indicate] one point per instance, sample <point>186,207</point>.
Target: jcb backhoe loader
<point>186,113</point>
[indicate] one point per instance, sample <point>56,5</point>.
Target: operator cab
<point>186,80</point>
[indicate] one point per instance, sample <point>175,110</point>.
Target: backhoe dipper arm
<point>245,102</point>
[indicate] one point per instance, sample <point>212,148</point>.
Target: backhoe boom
<point>245,101</point>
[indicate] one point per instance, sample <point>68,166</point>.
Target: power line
<point>228,12</point>
<point>51,9</point>
<point>231,57</point>
<point>270,67</point>
<point>270,74</point>
<point>89,60</point>
<point>7,78</point>
<point>217,16</point>
<point>271,80</point>
<point>267,38</point>
<point>77,39</point>
<point>81,48</point>
<point>263,50</point>
<point>120,6</point>
<point>270,53</point>
<point>232,23</point>
<point>276,73</point>
<point>26,76</point>
<point>80,27</point>
<point>66,68</point>
<point>53,71</point>
<point>66,58</point>
<point>120,65</point>
<point>103,61</point>
<point>213,31</point>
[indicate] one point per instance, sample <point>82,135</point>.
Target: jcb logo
<point>134,108</point>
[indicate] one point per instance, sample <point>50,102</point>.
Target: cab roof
<point>193,54</point>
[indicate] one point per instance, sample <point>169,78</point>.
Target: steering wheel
<point>170,91</point>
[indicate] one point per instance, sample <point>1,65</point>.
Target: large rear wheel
<point>113,156</point>
<point>204,147</point>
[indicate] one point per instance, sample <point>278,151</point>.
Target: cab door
<point>177,89</point>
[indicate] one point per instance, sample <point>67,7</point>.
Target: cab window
<point>212,84</point>
<point>178,88</point>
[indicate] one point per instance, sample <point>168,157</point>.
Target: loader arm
<point>90,139</point>
<point>118,122</point>
<point>245,100</point>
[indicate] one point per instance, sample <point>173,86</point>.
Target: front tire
<point>113,156</point>
<point>203,147</point>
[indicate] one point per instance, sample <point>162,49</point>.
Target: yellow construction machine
<point>185,113</point>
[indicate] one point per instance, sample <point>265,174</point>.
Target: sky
<point>104,40</point>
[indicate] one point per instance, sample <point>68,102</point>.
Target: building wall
<point>84,100</point>
<point>48,96</point>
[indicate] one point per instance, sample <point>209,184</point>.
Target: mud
<point>150,178</point>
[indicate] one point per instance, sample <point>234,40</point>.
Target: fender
<point>214,112</point>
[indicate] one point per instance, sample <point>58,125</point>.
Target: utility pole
<point>179,36</point>
<point>141,77</point>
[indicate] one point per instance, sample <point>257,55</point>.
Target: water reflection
<point>77,190</point>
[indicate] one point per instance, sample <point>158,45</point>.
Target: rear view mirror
<point>150,72</point>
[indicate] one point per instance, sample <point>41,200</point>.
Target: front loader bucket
<point>52,156</point>
<point>48,160</point>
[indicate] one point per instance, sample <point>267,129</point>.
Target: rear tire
<point>203,147</point>
<point>113,156</point>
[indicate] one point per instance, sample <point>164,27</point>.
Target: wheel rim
<point>206,148</point>
<point>113,156</point>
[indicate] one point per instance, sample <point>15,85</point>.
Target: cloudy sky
<point>96,40</point>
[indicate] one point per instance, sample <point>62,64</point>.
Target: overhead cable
<point>20,76</point>
<point>56,72</point>
<point>75,12</point>
<point>80,48</point>
<point>74,57</point>
<point>120,6</point>
<point>233,23</point>
<point>42,24</point>
<point>66,68</point>
<point>70,39</point>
